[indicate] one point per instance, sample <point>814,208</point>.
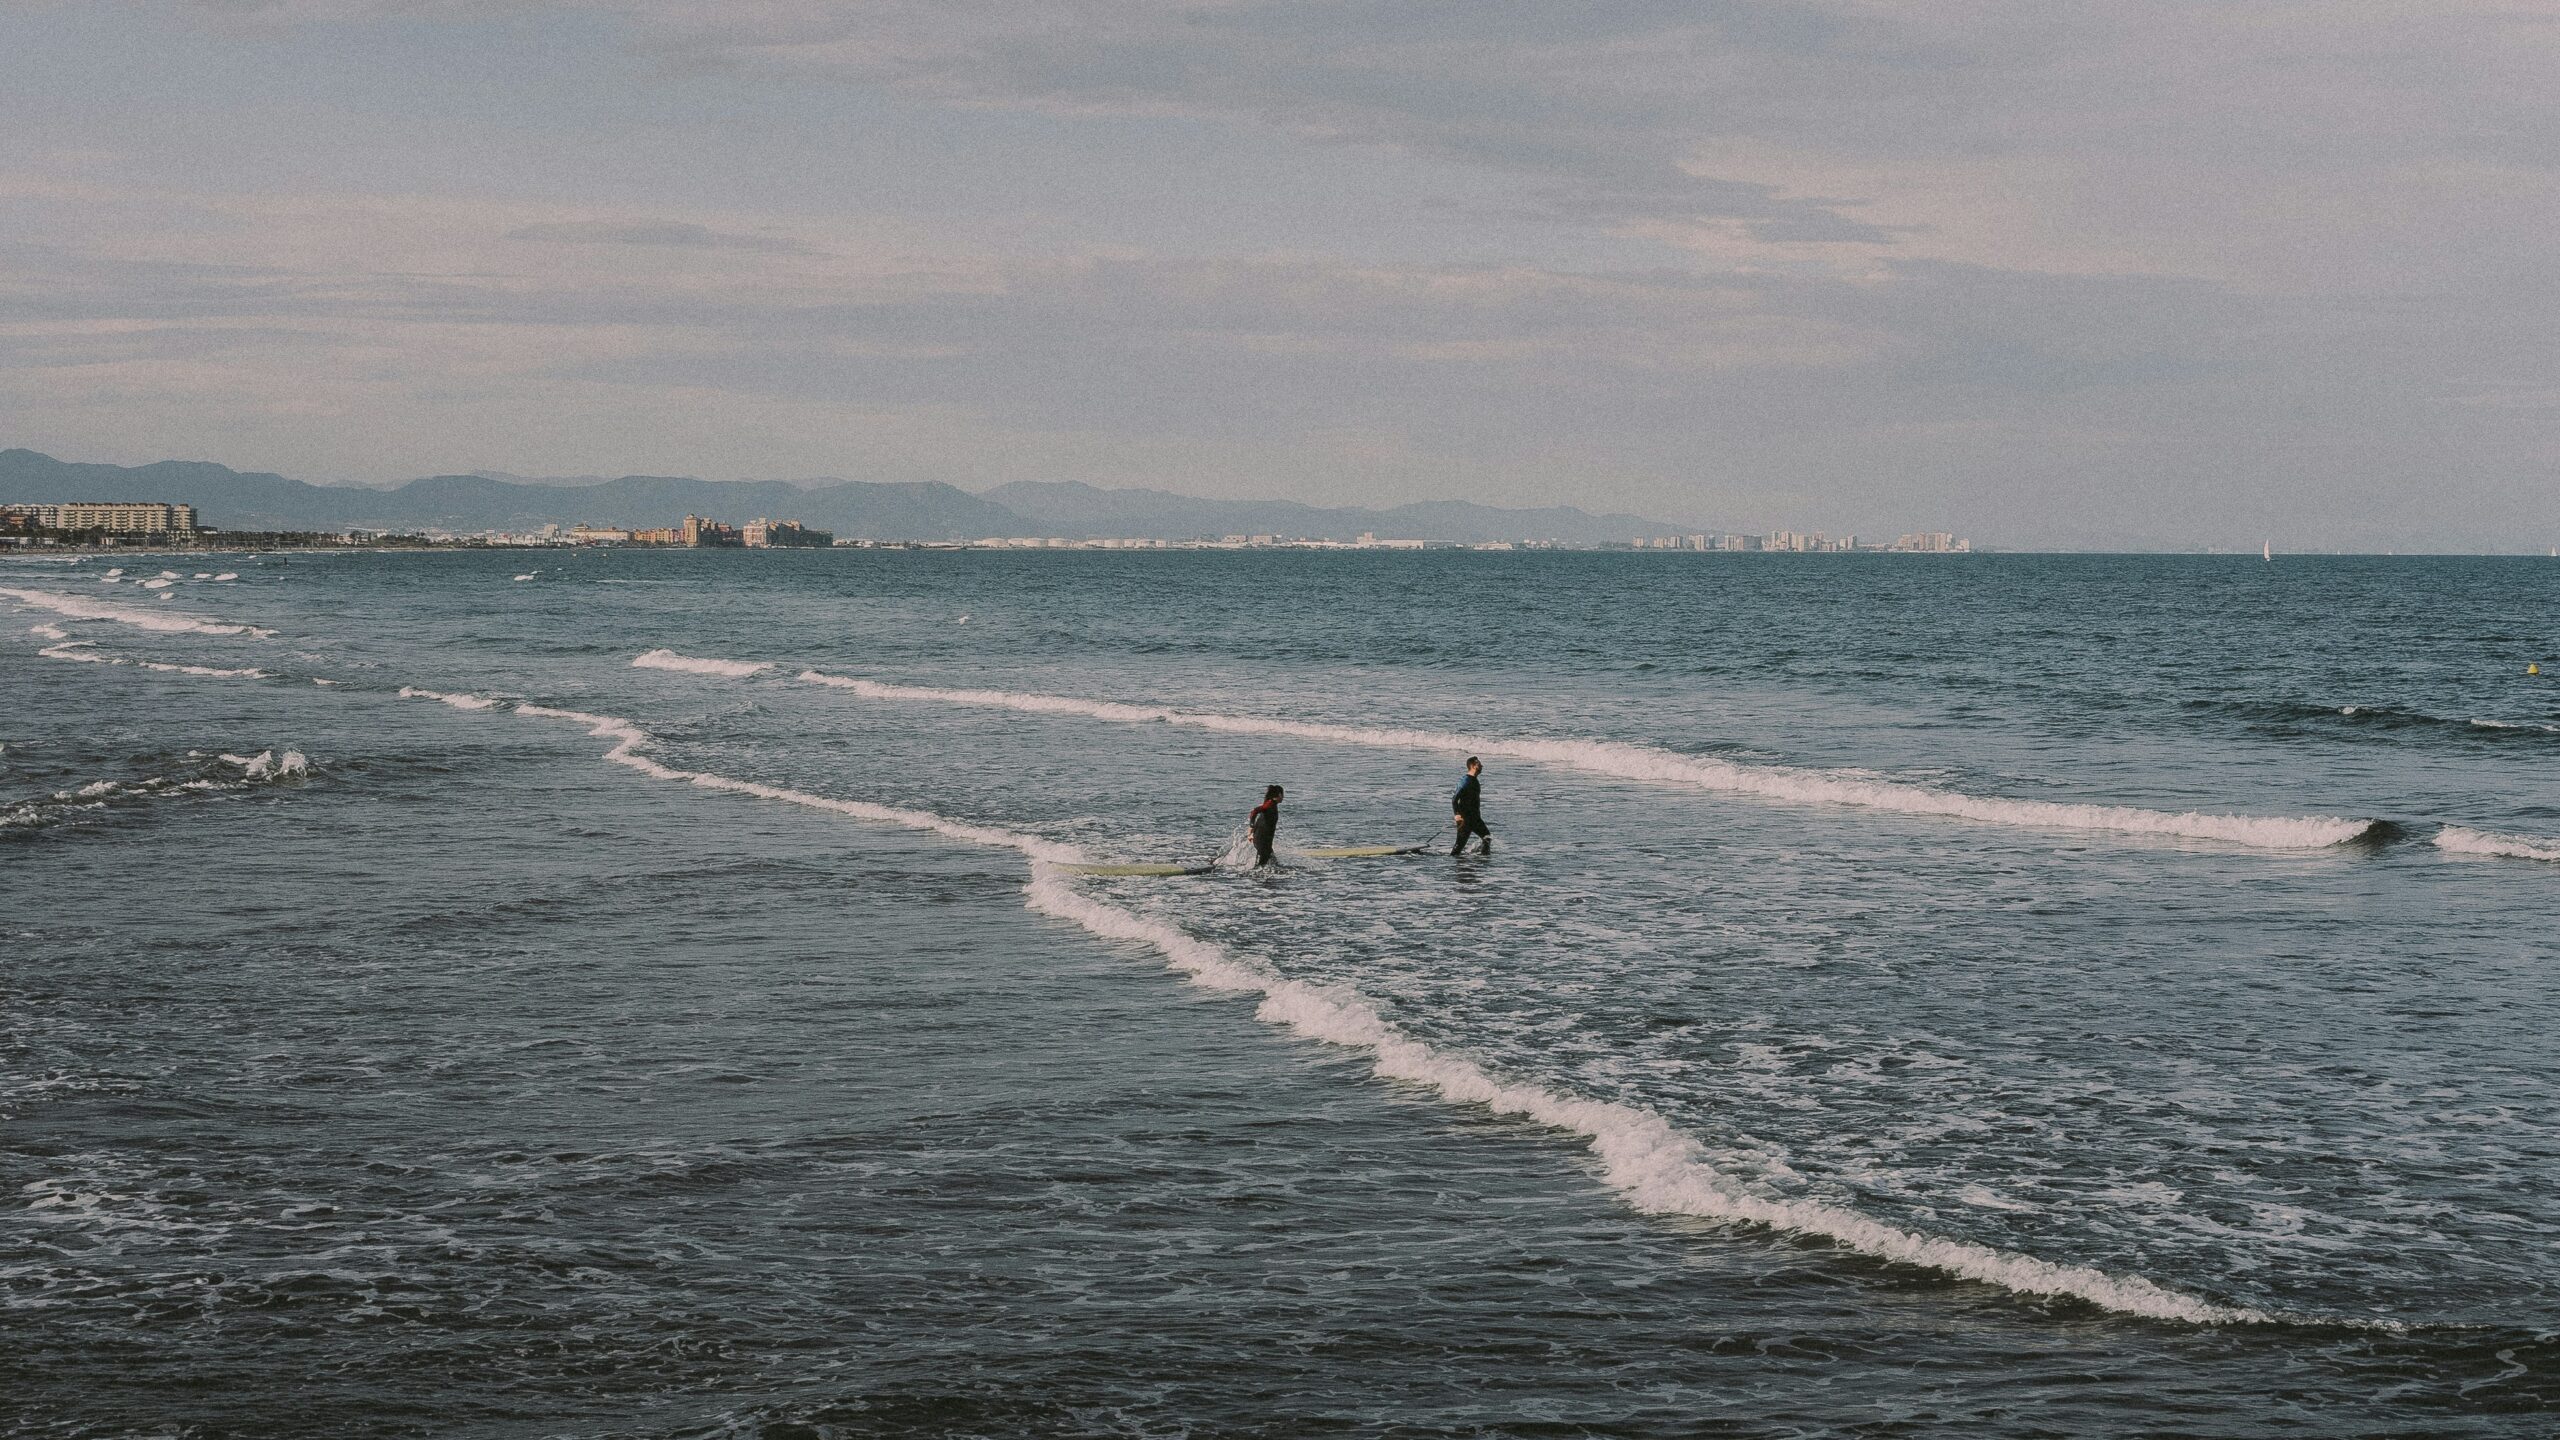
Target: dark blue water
<point>1910,995</point>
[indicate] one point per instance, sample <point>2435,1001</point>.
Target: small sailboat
<point>2267,550</point>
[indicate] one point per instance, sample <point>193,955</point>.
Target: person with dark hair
<point>1263,825</point>
<point>1468,809</point>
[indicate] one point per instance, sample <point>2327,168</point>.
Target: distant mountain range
<point>229,499</point>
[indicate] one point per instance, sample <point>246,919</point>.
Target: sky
<point>2050,273</point>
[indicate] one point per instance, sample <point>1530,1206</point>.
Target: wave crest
<point>1624,761</point>
<point>264,768</point>
<point>693,665</point>
<point>2462,840</point>
<point>80,608</point>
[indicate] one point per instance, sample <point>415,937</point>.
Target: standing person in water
<point>1468,809</point>
<point>1263,825</point>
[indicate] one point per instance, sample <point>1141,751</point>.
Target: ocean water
<point>620,993</point>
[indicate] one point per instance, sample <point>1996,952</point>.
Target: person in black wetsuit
<point>1468,809</point>
<point>1263,825</point>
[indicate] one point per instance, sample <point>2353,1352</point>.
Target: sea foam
<point>2462,840</point>
<point>692,665</point>
<point>264,768</point>
<point>86,652</point>
<point>81,608</point>
<point>1648,1161</point>
<point>213,671</point>
<point>458,702</point>
<point>268,765</point>
<point>1620,760</point>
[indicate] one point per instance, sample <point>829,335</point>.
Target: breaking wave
<point>80,608</point>
<point>86,652</point>
<point>264,768</point>
<point>2462,840</point>
<point>458,702</point>
<point>268,765</point>
<point>670,660</point>
<point>1649,1162</point>
<point>2526,726</point>
<point>1620,760</point>
<point>214,671</point>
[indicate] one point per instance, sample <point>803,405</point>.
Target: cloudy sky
<point>2051,272</point>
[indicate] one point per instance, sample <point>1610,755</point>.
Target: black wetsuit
<point>1469,805</point>
<point>1263,825</point>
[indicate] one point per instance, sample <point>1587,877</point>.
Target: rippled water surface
<point>621,993</point>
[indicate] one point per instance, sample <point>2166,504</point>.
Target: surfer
<point>1467,809</point>
<point>1263,825</point>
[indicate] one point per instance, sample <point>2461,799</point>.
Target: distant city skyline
<point>2163,276</point>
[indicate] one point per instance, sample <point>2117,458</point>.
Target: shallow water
<point>1989,995</point>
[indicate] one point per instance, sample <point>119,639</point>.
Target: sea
<point>644,993</point>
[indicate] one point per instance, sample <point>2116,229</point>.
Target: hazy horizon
<point>2169,276</point>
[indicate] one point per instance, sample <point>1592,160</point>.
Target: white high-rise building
<point>115,517</point>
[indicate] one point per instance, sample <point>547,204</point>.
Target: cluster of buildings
<point>1367,541</point>
<point>1798,542</point>
<point>114,519</point>
<point>698,533</point>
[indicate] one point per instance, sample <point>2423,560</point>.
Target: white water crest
<point>1654,1166</point>
<point>458,702</point>
<point>268,765</point>
<point>692,665</point>
<point>2462,840</point>
<point>263,768</point>
<point>86,652</point>
<point>1623,761</point>
<point>80,608</point>
<point>213,671</point>
<point>49,632</point>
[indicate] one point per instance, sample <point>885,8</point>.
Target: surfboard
<point>1137,869</point>
<point>1361,852</point>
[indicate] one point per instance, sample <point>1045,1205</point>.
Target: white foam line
<point>49,632</point>
<point>2465,841</point>
<point>1655,1167</point>
<point>670,660</point>
<point>1643,762</point>
<point>458,702</point>
<point>85,651</point>
<point>79,608</point>
<point>208,670</point>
